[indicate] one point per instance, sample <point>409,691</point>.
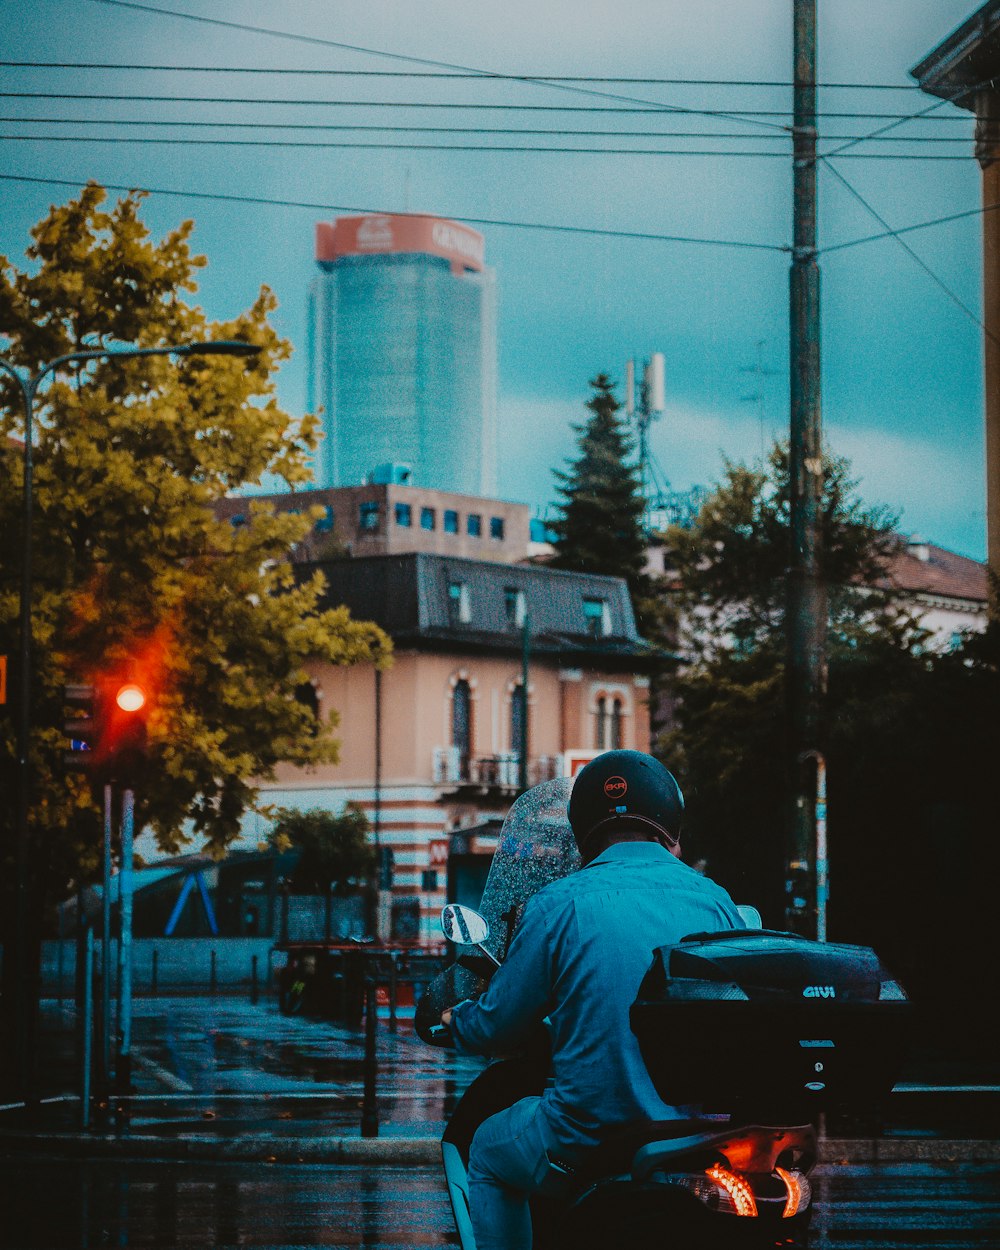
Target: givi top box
<point>769,1020</point>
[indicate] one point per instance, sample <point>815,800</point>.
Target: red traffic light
<point>131,697</point>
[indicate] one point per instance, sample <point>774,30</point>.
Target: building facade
<point>393,517</point>
<point>947,593</point>
<point>431,749</point>
<point>402,352</point>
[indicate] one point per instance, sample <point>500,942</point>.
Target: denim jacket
<point>576,960</point>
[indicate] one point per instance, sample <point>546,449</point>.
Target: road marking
<point>16,1106</point>
<point>170,1079</point>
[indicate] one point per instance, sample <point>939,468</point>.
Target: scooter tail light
<point>736,1186</point>
<point>798,1189</point>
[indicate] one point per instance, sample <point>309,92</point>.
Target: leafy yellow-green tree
<point>132,569</point>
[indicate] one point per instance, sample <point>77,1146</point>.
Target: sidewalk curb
<point>415,1151</point>
<point>398,1151</point>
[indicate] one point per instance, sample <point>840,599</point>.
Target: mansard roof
<point>410,596</point>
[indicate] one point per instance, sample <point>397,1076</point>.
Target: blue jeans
<point>508,1162</point>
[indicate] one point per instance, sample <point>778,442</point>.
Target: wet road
<point>65,1206</point>
<point>229,1068</point>
<point>247,1068</point>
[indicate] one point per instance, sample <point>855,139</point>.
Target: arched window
<point>601,723</point>
<point>615,726</point>
<point>461,723</point>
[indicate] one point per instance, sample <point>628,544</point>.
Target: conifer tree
<point>600,529</point>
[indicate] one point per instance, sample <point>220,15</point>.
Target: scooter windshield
<point>536,846</point>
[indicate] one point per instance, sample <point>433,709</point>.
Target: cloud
<point>938,488</point>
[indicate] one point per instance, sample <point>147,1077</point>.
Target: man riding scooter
<point>577,957</point>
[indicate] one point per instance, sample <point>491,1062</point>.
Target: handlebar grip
<point>439,1035</point>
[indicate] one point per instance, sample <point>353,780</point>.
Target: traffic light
<point>108,732</point>
<point>82,727</point>
<point>125,737</point>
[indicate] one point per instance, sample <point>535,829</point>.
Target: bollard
<point>211,974</point>
<point>369,1106</point>
<point>393,990</point>
<point>88,1018</point>
<point>253,978</point>
<point>61,955</point>
<point>155,975</point>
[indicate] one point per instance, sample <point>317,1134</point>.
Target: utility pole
<point>806,617</point>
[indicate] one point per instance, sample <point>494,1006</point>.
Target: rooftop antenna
<point>644,409</point>
<point>760,372</point>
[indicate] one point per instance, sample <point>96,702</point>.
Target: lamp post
<point>29,384</point>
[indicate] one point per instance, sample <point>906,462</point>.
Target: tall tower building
<point>402,352</point>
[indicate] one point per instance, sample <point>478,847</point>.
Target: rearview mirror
<point>464,926</point>
<point>750,915</point>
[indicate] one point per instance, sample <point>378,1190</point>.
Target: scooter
<point>763,1030</point>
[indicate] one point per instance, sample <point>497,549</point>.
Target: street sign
<point>573,761</point>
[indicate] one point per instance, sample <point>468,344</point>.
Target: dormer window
<point>459,602</point>
<point>515,607</point>
<point>597,617</point>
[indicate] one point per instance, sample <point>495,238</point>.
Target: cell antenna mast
<point>650,404</point>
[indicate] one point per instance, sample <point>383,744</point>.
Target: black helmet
<point>628,790</point>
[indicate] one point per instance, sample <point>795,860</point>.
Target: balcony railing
<point>490,772</point>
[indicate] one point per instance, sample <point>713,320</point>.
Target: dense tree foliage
<point>730,566</point>
<point>334,850</point>
<point>132,570</point>
<point>911,734</point>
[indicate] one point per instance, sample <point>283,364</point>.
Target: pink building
<point>431,749</point>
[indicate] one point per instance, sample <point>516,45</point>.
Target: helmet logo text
<point>615,787</point>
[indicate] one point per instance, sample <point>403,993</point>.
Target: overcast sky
<point>902,388</point>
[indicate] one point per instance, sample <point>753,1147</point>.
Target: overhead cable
<point>148,140</point>
<point>464,74</point>
<point>298,102</point>
<point>895,234</point>
<point>449,130</point>
<point>920,225</point>
<point>364,211</point>
<point>532,80</point>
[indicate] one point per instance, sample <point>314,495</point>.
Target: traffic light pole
<point>123,1061</point>
<point>106,945</point>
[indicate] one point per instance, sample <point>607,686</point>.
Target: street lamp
<point>29,385</point>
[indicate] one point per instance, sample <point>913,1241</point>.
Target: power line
<point>147,140</point>
<point>315,40</point>
<point>920,225</point>
<point>742,117</point>
<point>472,74</point>
<point>313,206</point>
<point>895,234</point>
<point>920,115</point>
<point>456,130</point>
